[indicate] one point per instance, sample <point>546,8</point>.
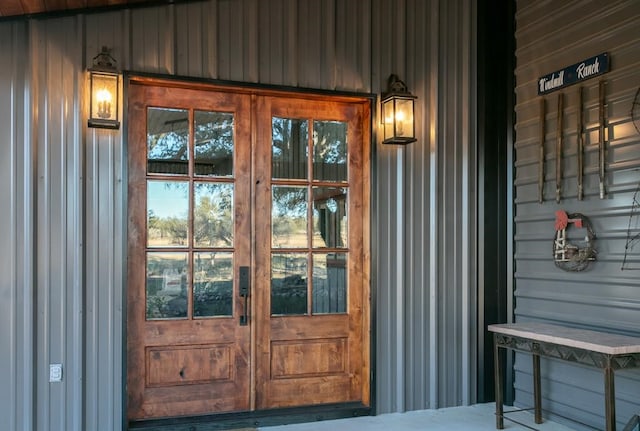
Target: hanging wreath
<point>566,255</point>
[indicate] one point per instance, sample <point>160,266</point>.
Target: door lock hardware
<point>244,287</point>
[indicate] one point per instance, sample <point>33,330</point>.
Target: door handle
<point>244,294</point>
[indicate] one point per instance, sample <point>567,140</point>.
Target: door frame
<point>279,415</point>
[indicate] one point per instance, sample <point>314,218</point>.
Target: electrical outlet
<point>55,372</point>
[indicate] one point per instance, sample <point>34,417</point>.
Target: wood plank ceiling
<point>20,8</point>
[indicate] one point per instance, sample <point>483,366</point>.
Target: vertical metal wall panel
<point>230,40</point>
<point>353,39</point>
<point>16,228</point>
<point>251,27</point>
<point>278,58</point>
<point>210,39</point>
<point>604,297</point>
<point>417,159</point>
<point>456,224</point>
<point>433,185</point>
<point>316,43</point>
<point>388,209</point>
<point>423,206</point>
<point>189,41</point>
<point>105,239</point>
<point>151,39</point>
<point>59,221</point>
<point>9,230</point>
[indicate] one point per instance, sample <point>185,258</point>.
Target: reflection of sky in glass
<point>168,198</point>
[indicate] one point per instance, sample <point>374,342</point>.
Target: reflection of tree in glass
<point>329,140</point>
<point>286,135</point>
<point>213,219</point>
<point>168,134</point>
<point>153,222</point>
<point>166,285</point>
<point>214,140</point>
<point>214,132</point>
<point>213,284</point>
<point>173,227</point>
<point>290,201</point>
<point>289,211</point>
<point>176,228</point>
<point>289,283</point>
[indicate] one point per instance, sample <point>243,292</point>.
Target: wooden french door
<point>248,250</point>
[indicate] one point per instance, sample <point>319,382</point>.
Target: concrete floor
<point>479,417</point>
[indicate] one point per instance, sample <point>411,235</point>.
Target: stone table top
<point>602,342</point>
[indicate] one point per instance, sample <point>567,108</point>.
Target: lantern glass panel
<point>404,118</point>
<point>388,114</point>
<point>104,96</point>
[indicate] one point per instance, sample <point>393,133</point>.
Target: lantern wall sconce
<point>397,113</point>
<point>104,90</point>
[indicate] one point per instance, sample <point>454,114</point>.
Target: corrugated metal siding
<point>425,210</point>
<point>68,186</point>
<point>105,216</point>
<point>17,230</point>
<point>429,188</point>
<point>388,210</point>
<point>550,37</point>
<point>59,221</point>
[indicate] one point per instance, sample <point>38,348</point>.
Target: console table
<point>606,351</point>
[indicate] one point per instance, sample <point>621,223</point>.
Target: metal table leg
<point>537,399</point>
<point>497,374</point>
<point>609,399</point>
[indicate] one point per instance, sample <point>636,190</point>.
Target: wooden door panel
<point>309,358</point>
<point>190,365</point>
<point>195,364</point>
<point>313,358</point>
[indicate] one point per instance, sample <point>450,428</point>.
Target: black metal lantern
<point>105,89</point>
<point>397,113</point>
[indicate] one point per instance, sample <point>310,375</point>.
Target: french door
<point>248,283</point>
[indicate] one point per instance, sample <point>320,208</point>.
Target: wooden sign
<point>578,72</point>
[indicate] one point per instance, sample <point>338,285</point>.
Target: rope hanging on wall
<point>566,255</point>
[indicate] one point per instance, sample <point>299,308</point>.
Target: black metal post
<point>609,397</point>
<point>537,398</point>
<point>497,373</point>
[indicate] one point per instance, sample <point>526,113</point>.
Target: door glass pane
<point>213,143</point>
<point>167,141</point>
<point>212,284</point>
<point>166,285</point>
<point>213,215</point>
<point>289,141</point>
<point>329,283</point>
<point>289,217</point>
<point>329,217</point>
<point>289,283</point>
<point>167,213</point>
<point>329,151</point>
